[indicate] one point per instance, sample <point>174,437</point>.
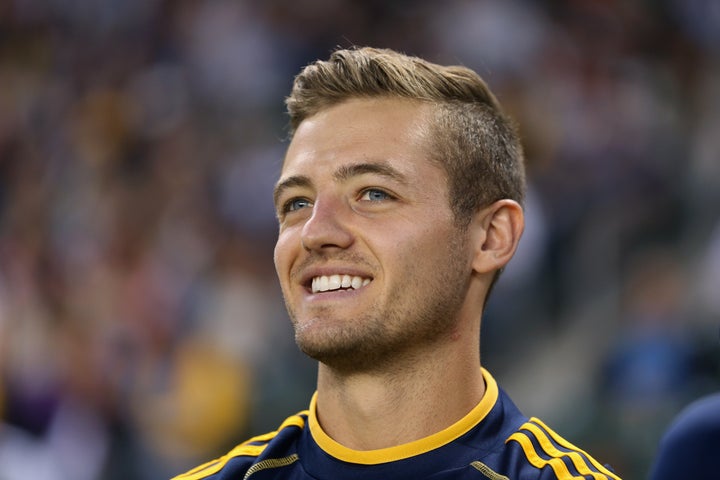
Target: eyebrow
<point>341,174</point>
<point>290,182</point>
<point>384,170</point>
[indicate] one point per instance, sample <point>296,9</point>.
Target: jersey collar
<point>407,450</point>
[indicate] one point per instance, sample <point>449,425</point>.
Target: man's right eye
<point>295,204</point>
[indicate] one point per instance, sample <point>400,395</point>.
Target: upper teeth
<point>334,282</point>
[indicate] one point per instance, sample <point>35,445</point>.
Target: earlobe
<point>498,229</point>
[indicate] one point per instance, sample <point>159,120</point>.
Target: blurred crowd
<point>141,326</point>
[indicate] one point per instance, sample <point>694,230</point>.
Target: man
<point>398,204</point>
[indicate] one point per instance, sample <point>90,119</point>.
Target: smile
<point>326,283</point>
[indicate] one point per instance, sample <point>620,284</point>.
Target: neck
<point>405,401</point>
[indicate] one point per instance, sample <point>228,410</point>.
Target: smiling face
<point>369,256</point>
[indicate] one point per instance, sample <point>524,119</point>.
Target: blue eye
<point>375,195</point>
<point>296,204</point>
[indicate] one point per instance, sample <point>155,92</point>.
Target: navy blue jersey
<point>494,441</point>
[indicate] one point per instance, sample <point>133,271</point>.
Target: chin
<point>345,355</point>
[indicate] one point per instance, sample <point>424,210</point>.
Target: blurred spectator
<point>710,275</point>
<point>652,368</point>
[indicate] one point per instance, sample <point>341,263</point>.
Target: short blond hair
<point>471,138</point>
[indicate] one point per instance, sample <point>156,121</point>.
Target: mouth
<point>329,283</point>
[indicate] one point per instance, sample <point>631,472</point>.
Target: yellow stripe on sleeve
<point>294,421</point>
<point>558,466</point>
<point>575,457</point>
<point>561,441</point>
<point>201,471</point>
<point>244,449</point>
<point>209,468</point>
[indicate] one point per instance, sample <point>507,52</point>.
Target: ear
<point>496,233</point>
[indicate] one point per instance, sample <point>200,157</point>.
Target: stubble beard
<point>386,334</point>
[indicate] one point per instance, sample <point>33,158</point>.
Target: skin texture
<point>359,195</point>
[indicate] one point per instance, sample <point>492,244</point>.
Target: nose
<point>327,227</point>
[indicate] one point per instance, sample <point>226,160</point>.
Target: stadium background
<point>141,326</point>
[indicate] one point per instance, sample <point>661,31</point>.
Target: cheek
<point>438,249</point>
<point>405,253</point>
<point>282,254</point>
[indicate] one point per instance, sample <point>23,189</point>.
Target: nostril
<point>304,245</point>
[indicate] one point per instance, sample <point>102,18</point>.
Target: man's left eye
<point>374,195</point>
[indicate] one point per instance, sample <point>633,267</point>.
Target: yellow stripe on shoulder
<point>539,431</point>
<point>250,448</point>
<point>577,460</point>
<point>202,471</point>
<point>297,420</point>
<point>561,441</point>
<point>558,466</point>
<point>214,466</point>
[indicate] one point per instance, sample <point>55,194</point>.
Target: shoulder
<point>689,446</point>
<point>700,419</point>
<point>279,444</point>
<point>536,447</point>
<point>527,448</point>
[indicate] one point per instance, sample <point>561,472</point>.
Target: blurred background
<point>141,326</point>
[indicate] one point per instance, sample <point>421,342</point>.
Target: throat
<point>381,412</point>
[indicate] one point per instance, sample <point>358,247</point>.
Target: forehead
<point>361,130</point>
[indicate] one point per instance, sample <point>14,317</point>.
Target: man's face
<point>369,258</point>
